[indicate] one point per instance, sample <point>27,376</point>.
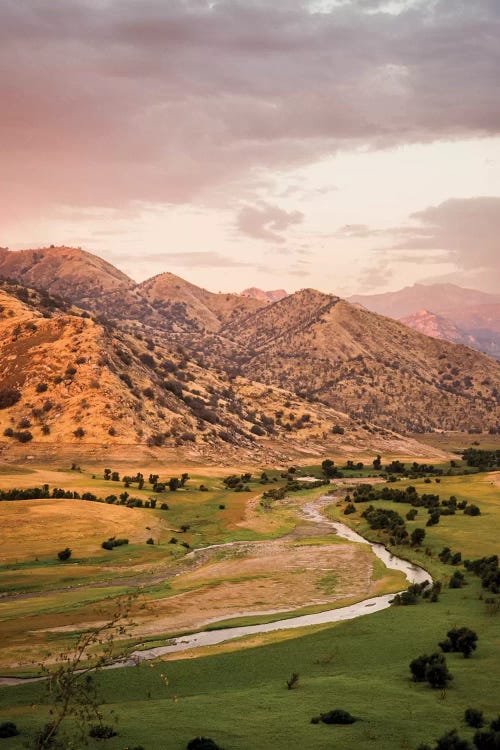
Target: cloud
<point>267,222</point>
<point>107,103</point>
<point>464,232</point>
<point>186,260</point>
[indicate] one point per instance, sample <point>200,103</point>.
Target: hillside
<point>367,365</point>
<point>223,368</point>
<point>66,379</point>
<point>69,272</point>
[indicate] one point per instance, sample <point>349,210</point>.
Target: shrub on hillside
<point>9,397</point>
<point>64,554</point>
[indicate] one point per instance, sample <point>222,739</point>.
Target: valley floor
<point>236,692</point>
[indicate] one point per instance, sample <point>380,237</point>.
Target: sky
<point>348,145</point>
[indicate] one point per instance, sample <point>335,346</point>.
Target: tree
<point>474,718</point>
<point>328,467</point>
<point>417,537</point>
<point>418,668</point>
<point>293,681</point>
<point>487,740</point>
<point>64,554</point>
<point>174,484</point>
<point>460,640</point>
<point>8,729</point>
<point>437,674</point>
<point>70,679</point>
<point>377,463</point>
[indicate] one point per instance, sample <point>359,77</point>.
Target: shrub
<point>8,432</point>
<point>256,430</point>
<point>113,542</point>
<point>150,540</point>
<point>293,681</point>
<point>8,729</point>
<point>102,732</point>
<point>202,743</point>
<point>64,554</point>
<point>488,740</point>
<point>472,510</point>
<point>457,580</point>
<point>460,640</point>
<point>9,397</point>
<point>337,716</point>
<point>79,432</point>
<point>41,387</point>
<point>24,436</point>
<point>474,718</point>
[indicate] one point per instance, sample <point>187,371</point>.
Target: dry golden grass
<point>39,528</point>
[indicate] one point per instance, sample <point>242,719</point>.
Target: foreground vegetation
<point>238,693</point>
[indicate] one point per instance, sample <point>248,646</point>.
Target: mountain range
<point>88,356</point>
<point>446,311</point>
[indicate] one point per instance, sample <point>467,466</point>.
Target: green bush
<point>8,729</point>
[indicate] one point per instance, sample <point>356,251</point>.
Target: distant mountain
<point>433,297</point>
<point>438,326</point>
<point>445,311</point>
<point>262,296</point>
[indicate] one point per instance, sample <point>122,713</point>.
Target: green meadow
<point>236,693</point>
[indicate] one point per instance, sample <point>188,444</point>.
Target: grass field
<point>236,693</point>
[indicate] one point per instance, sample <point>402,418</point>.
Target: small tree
<point>70,679</point>
<point>293,681</point>
<point>460,640</point>
<point>437,673</point>
<point>474,718</point>
<point>64,554</point>
<point>417,537</point>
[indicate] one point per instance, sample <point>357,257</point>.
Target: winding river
<point>311,512</point>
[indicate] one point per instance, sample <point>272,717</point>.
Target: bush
<point>8,729</point>
<point>489,740</point>
<point>256,430</point>
<point>460,640</point>
<point>150,540</point>
<point>41,387</point>
<point>24,436</point>
<point>337,716</point>
<point>474,718</point>
<point>102,732</point>
<point>79,432</point>
<point>202,743</point>
<point>9,397</point>
<point>457,580</point>
<point>113,542</point>
<point>64,554</point>
<point>472,510</point>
